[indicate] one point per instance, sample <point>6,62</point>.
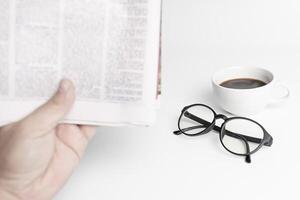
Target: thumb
<point>46,118</point>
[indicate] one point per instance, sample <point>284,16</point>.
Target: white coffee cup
<point>245,102</point>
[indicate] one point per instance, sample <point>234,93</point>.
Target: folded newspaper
<point>110,49</point>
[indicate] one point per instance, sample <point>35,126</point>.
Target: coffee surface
<point>243,83</point>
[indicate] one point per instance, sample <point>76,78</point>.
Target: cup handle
<point>281,98</point>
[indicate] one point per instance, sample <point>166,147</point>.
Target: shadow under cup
<point>243,102</point>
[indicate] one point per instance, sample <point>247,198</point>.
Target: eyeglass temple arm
<point>229,133</point>
<point>178,132</point>
<point>248,157</point>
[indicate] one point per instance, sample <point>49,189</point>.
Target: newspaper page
<point>108,48</point>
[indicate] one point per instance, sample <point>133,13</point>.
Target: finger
<point>73,138</point>
<point>47,116</point>
<point>88,131</point>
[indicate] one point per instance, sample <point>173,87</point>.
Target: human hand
<point>38,155</point>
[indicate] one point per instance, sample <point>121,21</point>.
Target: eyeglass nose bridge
<point>220,116</point>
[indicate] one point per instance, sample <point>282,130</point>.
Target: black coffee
<point>243,83</point>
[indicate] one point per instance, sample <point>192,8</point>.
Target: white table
<point>201,36</point>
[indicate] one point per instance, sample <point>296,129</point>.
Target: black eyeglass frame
<point>267,139</point>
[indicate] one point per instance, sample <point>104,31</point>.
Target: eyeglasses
<point>239,135</point>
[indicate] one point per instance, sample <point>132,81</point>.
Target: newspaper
<point>108,48</point>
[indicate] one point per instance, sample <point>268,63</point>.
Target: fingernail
<point>64,86</point>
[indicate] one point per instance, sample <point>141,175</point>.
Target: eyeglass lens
<point>190,126</point>
<point>243,127</point>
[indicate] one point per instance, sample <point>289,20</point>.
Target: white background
<point>200,37</point>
